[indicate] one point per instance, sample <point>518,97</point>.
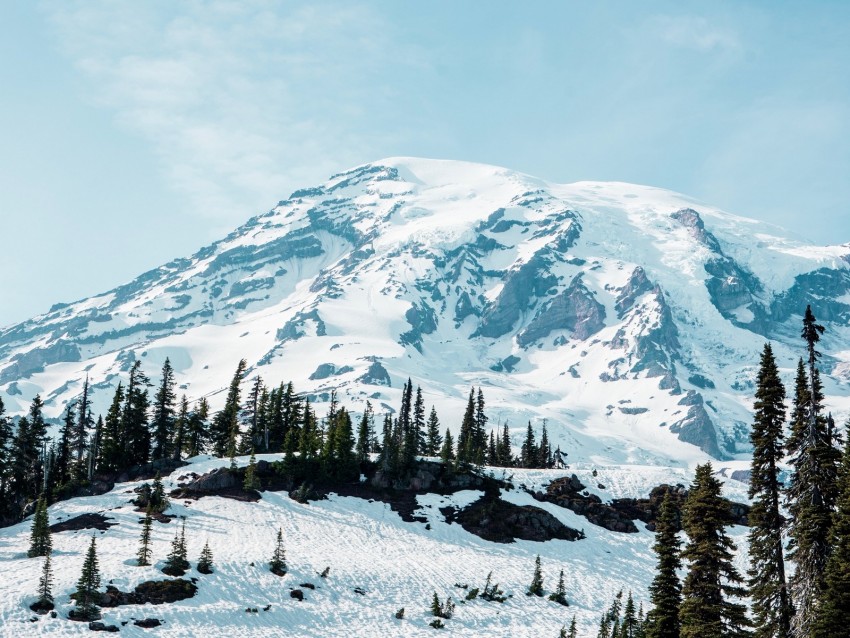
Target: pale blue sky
<point>135,132</point>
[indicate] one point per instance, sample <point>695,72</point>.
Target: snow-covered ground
<point>365,544</point>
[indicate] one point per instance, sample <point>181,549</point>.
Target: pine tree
<point>135,433</point>
<point>40,542</point>
<point>181,429</point>
<point>197,429</point>
<point>158,500</point>
<point>544,452</point>
<point>666,590</point>
<point>503,448</point>
<point>110,456</point>
<point>768,589</point>
<point>466,437</point>
<point>251,481</point>
<point>205,562</point>
<point>528,452</point>
<point>80,434</point>
<point>143,557</point>
<point>434,440</point>
<point>365,433</point>
<point>64,460</point>
<point>177,563</point>
<point>706,611</point>
<point>5,458</point>
<point>812,490</point>
<point>225,426</point>
<point>277,565</point>
<point>419,422</point>
<point>87,595</point>
<point>536,586</point>
<point>573,632</point>
<point>436,606</point>
<point>629,627</point>
<point>447,453</point>
<point>833,618</point>
<point>45,587</point>
<point>560,594</point>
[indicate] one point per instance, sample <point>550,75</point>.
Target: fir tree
<point>40,542</point>
<point>536,586</point>
<point>768,589</point>
<point>177,563</point>
<point>447,453</point>
<point>365,434</point>
<point>436,606</point>
<point>573,631</point>
<point>560,594</point>
<point>252,481</point>
<point>45,587</point>
<point>80,434</point>
<point>503,448</point>
<point>544,452</point>
<point>434,440</point>
<point>110,455</point>
<point>833,620</point>
<point>492,456</point>
<point>181,429</point>
<point>528,452</point>
<point>706,611</point>
<point>465,439</point>
<point>419,422</point>
<point>277,565</point>
<point>135,433</point>
<point>205,562</point>
<point>666,590</point>
<point>225,426</point>
<point>812,490</point>
<point>64,460</point>
<point>629,627</point>
<point>143,558</point>
<point>491,592</point>
<point>158,500</point>
<point>87,595</point>
<point>197,433</point>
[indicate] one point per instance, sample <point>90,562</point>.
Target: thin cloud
<point>696,33</point>
<point>241,100</point>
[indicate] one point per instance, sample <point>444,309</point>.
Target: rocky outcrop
<point>154,592</point>
<point>83,521</point>
<point>575,309</point>
<point>422,320</point>
<point>691,220</point>
<point>32,361</point>
<point>696,427</point>
<point>637,285</point>
<point>327,370</point>
<point>498,521</point>
<point>376,375</point>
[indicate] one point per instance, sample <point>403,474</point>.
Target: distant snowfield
<point>364,543</point>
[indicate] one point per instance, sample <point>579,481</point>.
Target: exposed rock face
<point>422,320</point>
<point>531,279</point>
<point>696,427</point>
<point>821,289</point>
<point>574,309</point>
<point>155,592</point>
<point>327,370</point>
<point>432,477</point>
<point>83,521</point>
<point>691,220</point>
<point>376,375</point>
<point>34,360</point>
<point>637,285</point>
<point>498,521</point>
<point>464,307</point>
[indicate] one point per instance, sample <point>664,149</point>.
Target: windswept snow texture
<point>365,544</point>
<point>631,318</point>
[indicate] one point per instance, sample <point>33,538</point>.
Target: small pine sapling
<point>176,563</point>
<point>560,594</point>
<point>158,499</point>
<point>536,587</point>
<point>205,562</point>
<point>491,592</point>
<point>44,603</point>
<point>87,594</point>
<point>277,565</point>
<point>252,481</point>
<point>144,555</point>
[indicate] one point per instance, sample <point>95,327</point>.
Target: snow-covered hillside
<point>365,544</point>
<point>629,317</point>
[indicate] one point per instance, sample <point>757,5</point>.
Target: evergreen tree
<point>177,562</point>
<point>433,440</point>
<point>255,436</point>
<point>5,458</point>
<point>560,594</point>
<point>40,542</point>
<point>64,459</point>
<point>666,590</point>
<point>277,565</point>
<point>536,586</point>
<point>135,434</point>
<point>79,440</point>
<point>528,452</point>
<point>365,434</point>
<point>345,466</point>
<point>544,452</point>
<point>436,606</point>
<point>87,595</point>
<point>503,449</point>
<point>573,632</point>
<point>768,589</point>
<point>251,481</point>
<point>143,557</point>
<point>225,425</point>
<point>45,587</point>
<point>205,562</point>
<point>629,627</point>
<point>158,500</point>
<point>197,429</point>
<point>706,611</point>
<point>419,422</point>
<point>110,456</point>
<point>447,453</point>
<point>163,414</point>
<point>492,456</point>
<point>812,491</point>
<point>833,619</point>
<point>480,431</point>
<point>181,429</point>
<point>466,437</point>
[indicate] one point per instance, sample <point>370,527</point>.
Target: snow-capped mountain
<point>629,317</point>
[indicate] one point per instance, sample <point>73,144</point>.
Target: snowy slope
<point>629,317</point>
<point>365,544</point>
